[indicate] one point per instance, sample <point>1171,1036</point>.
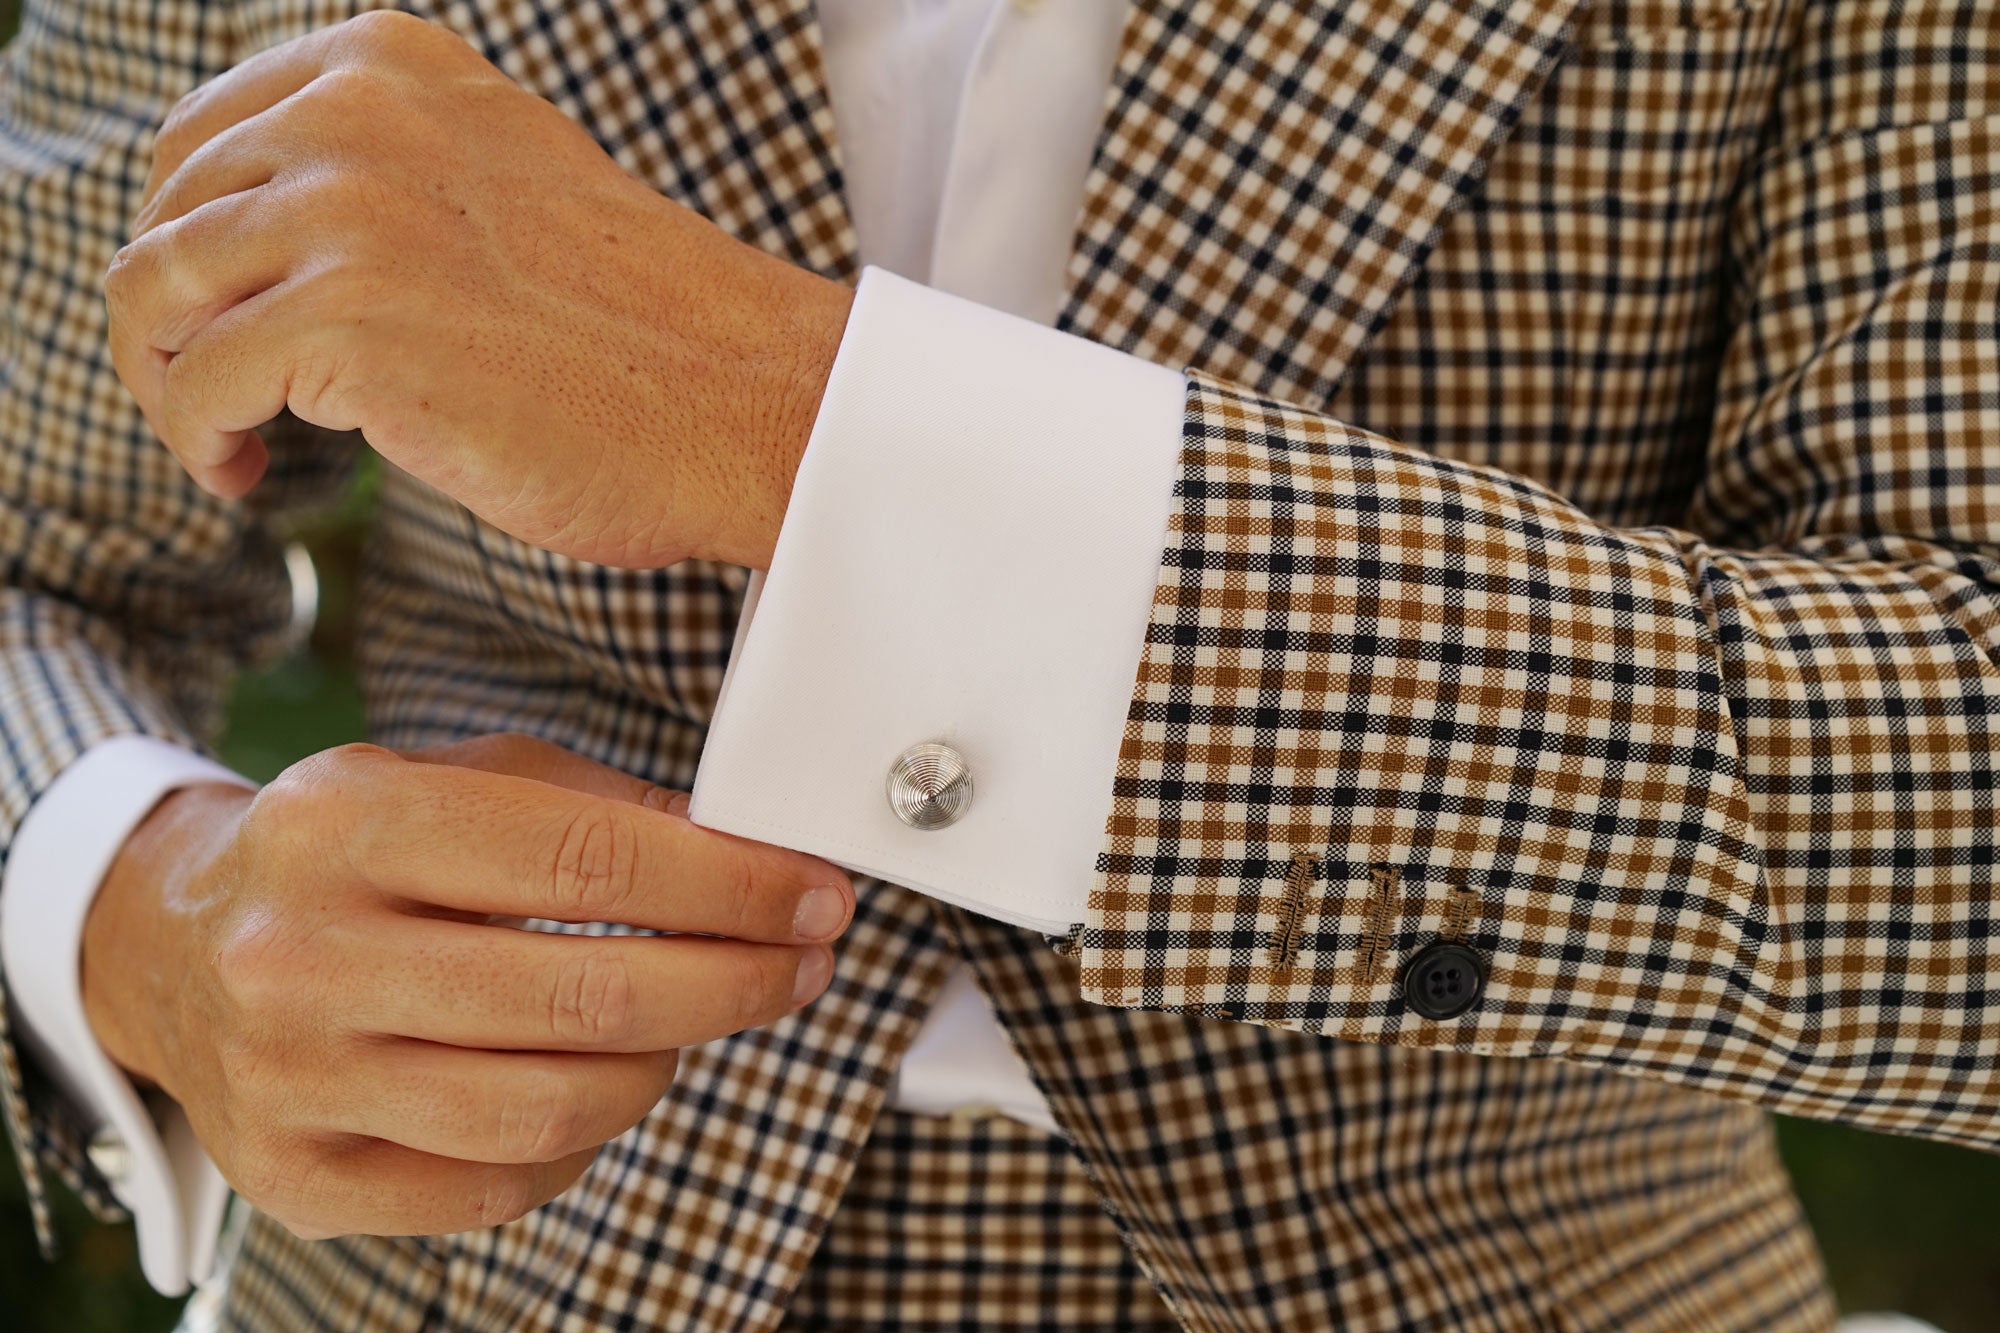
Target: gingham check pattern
<point>1653,664</point>
<point>945,1224</point>
<point>984,1224</point>
<point>1719,793</point>
<point>1269,1181</point>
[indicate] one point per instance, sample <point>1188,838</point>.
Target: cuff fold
<point>968,560</point>
<point>59,857</point>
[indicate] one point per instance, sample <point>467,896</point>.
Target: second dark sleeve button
<point>1443,980</point>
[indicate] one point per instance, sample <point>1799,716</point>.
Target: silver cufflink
<point>929,786</point>
<point>108,1153</point>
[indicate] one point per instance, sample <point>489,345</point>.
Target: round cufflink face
<point>929,786</point>
<point>1443,980</point>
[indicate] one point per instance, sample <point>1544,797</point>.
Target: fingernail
<point>820,913</point>
<point>815,970</point>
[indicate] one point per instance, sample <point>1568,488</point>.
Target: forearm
<point>1389,702</point>
<point>1592,756</point>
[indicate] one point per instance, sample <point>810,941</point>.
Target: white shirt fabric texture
<point>969,558</point>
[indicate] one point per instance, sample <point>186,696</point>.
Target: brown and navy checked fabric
<point>1697,751</point>
<point>947,1223</point>
<point>1584,550</point>
<point>981,1224</point>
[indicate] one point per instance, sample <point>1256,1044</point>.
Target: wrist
<point>805,316</point>
<point>134,938</point>
<point>820,324</point>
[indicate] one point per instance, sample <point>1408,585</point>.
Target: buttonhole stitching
<point>1285,936</point>
<point>1378,922</point>
<point>1460,911</point>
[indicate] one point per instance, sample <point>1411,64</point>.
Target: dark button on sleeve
<point>1443,980</point>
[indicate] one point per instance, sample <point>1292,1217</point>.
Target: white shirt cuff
<point>59,857</point>
<point>969,558</point>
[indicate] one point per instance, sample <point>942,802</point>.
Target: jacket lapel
<point>1268,178</point>
<point>748,114</point>
<point>1271,175</point>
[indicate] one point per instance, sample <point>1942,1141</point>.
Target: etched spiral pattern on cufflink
<point>929,786</point>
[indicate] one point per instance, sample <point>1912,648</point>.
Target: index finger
<point>269,77</point>
<point>494,843</point>
<point>235,95</point>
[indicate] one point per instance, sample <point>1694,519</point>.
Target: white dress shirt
<point>968,558</point>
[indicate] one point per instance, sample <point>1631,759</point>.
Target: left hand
<point>373,226</point>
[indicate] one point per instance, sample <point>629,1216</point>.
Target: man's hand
<point>326,976</point>
<point>373,226</point>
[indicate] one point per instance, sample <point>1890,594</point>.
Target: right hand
<point>326,977</point>
<point>373,226</point>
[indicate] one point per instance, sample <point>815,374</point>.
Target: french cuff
<point>142,1145</point>
<point>968,561</point>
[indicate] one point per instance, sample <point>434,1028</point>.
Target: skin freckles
<point>372,226</point>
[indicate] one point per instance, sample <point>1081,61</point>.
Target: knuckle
<point>502,1196</point>
<point>337,291</point>
<point>493,747</point>
<point>202,231</point>
<point>280,804</point>
<point>279,1179</point>
<point>251,969</point>
<point>383,29</point>
<point>591,873</point>
<point>252,1081</point>
<point>319,788</point>
<point>764,986</point>
<point>351,755</point>
<point>133,270</point>
<point>352,88</point>
<point>185,388</point>
<point>318,390</point>
<point>178,124</point>
<point>741,886</point>
<point>254,1176</point>
<point>592,1000</point>
<point>539,1121</point>
<point>346,773</point>
<point>512,743</point>
<point>499,751</point>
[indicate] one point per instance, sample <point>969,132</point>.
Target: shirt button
<point>108,1153</point>
<point>929,786</point>
<point>1443,980</point>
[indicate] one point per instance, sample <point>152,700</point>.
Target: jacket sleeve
<point>1713,804</point>
<point>128,596</point>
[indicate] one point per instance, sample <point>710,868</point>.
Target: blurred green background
<point>1905,1225</point>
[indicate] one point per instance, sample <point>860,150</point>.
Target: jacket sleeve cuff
<point>65,845</point>
<point>968,559</point>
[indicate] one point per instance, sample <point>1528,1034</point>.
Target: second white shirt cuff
<point>59,857</point>
<point>969,558</point>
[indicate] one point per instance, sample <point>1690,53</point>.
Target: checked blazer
<point>1586,551</point>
